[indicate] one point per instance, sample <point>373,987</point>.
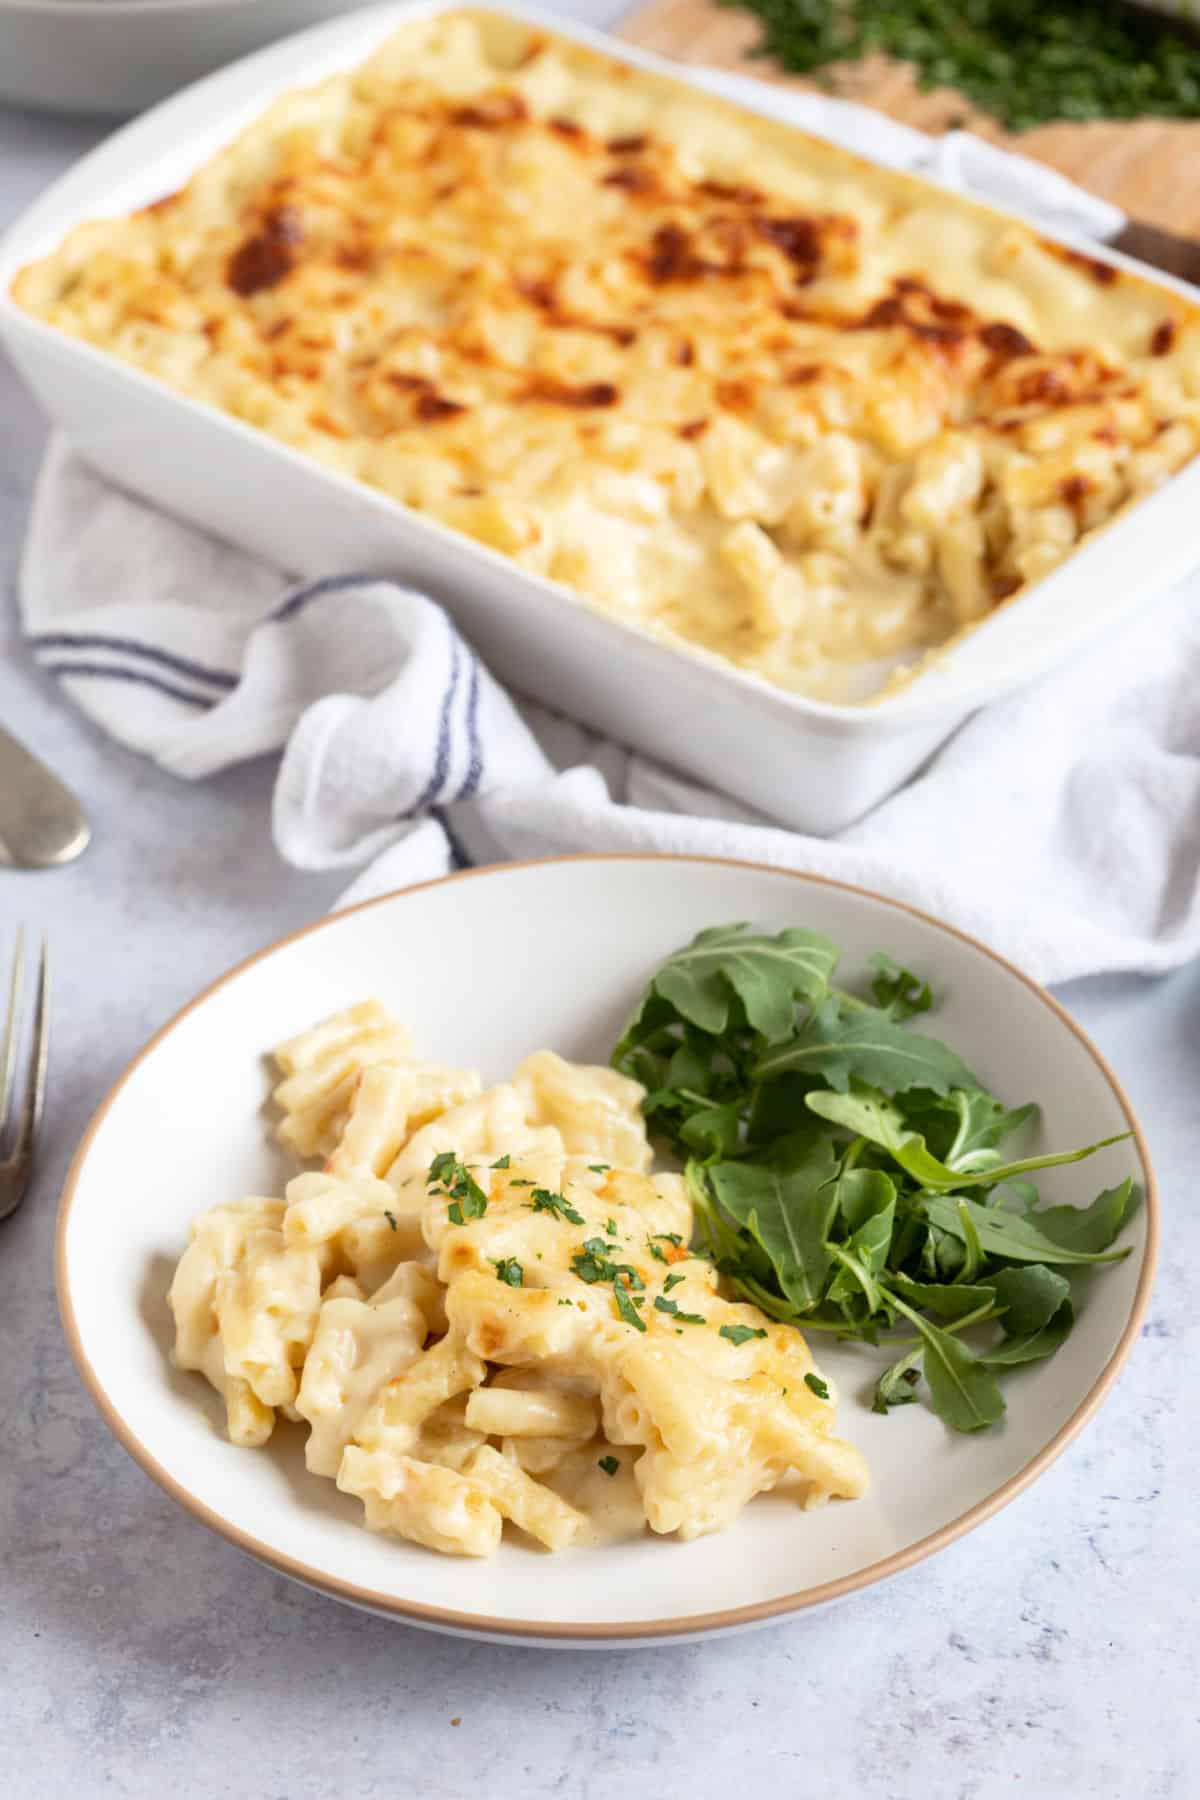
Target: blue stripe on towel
<point>474,773</point>
<point>441,761</point>
<point>458,855</point>
<point>315,590</point>
<point>135,677</point>
<point>180,665</point>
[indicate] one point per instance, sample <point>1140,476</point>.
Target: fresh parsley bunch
<point>1025,61</point>
<point>846,1170</point>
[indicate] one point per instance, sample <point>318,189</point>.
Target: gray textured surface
<point>1053,1653</point>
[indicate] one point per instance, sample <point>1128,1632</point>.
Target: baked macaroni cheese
<point>730,383</point>
<point>483,1308</point>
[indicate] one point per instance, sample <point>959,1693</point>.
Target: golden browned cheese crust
<point>730,383</point>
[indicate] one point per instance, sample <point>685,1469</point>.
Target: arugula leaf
<point>1015,1237</point>
<point>1035,1345</point>
<point>965,1127</point>
<point>868,1046</point>
<point>1091,1228</point>
<point>767,974</point>
<point>983,1124</point>
<point>863,1194</point>
<point>868,1113</point>
<point>973,1260</point>
<point>963,1392</point>
<point>897,1385</point>
<point>788,1213</point>
<point>1030,1297</point>
<point>854,1272</point>
<point>1037,1319</point>
<point>898,991</point>
<point>713,1130</point>
<point>866,1199</point>
<point>947,1300</point>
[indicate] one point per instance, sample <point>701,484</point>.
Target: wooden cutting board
<point>1148,167</point>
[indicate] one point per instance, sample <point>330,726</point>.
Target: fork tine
<point>8,1060</point>
<point>39,1057</point>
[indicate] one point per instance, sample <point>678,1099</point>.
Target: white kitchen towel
<point>1062,825</point>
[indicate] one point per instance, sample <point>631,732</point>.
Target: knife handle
<point>1162,249</point>
<point>41,822</point>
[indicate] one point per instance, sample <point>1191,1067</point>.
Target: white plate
<point>486,967</point>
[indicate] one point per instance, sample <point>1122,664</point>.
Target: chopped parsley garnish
<point>672,1307</point>
<point>740,1334</point>
<point>509,1271</point>
<point>468,1200</point>
<point>599,1168</point>
<point>625,1306</point>
<point>502,1162</point>
<point>564,1302</point>
<point>542,1200</point>
<point>816,1386</point>
<point>609,1464</point>
<point>610,1225</point>
<point>593,1263</point>
<point>520,1181</point>
<point>590,1268</point>
<point>390,1217</point>
<point>672,1281</point>
<point>656,1253</point>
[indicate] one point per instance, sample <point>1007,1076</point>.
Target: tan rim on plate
<point>692,1624</point>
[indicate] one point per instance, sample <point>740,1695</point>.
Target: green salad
<point>847,1171</point>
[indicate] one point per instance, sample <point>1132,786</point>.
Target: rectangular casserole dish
<point>811,764</point>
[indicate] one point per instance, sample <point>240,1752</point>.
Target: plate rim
<point>613,1632</point>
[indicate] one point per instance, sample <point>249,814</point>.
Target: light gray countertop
<point>1052,1653</point>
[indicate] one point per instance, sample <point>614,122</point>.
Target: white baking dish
<point>812,765</point>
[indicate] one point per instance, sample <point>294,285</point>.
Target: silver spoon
<point>41,822</point>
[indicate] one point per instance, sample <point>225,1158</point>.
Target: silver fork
<point>21,1132</point>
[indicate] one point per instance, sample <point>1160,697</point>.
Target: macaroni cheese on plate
<point>482,1308</point>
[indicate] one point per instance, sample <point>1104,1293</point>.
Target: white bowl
<point>487,967</point>
<point>115,57</point>
<point>805,763</point>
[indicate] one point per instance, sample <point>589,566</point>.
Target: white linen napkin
<point>1062,825</point>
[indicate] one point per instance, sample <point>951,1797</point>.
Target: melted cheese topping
<point>729,382</point>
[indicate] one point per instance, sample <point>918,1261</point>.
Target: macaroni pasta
<point>480,1316</point>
